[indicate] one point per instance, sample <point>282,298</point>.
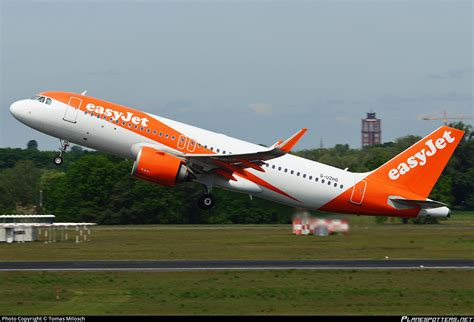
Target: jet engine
<point>160,167</point>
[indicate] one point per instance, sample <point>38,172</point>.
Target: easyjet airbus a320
<point>167,152</point>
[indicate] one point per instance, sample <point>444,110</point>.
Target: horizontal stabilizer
<point>412,203</point>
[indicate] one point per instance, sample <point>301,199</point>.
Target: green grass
<point>381,292</point>
<point>366,240</point>
<point>397,292</point>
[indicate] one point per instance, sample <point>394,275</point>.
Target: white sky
<point>256,70</point>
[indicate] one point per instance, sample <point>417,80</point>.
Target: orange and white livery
<point>169,152</point>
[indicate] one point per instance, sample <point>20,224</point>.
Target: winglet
<point>287,145</point>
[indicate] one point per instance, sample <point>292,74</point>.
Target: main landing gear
<point>58,160</point>
<point>206,201</point>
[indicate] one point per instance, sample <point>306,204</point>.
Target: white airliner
<point>168,152</point>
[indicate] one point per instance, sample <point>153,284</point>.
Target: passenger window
<point>298,174</point>
<point>304,175</point>
<point>48,101</point>
<point>310,177</point>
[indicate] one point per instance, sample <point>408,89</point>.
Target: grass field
<point>453,239</point>
<point>381,292</point>
<point>398,292</point>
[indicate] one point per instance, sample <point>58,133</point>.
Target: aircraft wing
<point>203,163</point>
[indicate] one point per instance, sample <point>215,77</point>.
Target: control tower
<point>371,130</point>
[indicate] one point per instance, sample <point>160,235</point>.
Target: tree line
<point>95,187</point>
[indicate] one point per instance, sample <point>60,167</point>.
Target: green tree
<point>32,145</point>
<point>19,186</point>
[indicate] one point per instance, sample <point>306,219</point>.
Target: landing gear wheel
<point>58,160</point>
<point>206,201</point>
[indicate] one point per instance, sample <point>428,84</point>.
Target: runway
<point>201,265</point>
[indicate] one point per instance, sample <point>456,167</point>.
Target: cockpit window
<point>42,99</point>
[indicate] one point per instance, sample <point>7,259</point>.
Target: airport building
<point>371,130</point>
<point>28,228</point>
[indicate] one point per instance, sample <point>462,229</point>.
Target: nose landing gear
<point>58,160</point>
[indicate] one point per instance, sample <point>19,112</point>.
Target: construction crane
<point>445,118</point>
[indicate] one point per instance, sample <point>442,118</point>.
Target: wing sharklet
<point>287,145</point>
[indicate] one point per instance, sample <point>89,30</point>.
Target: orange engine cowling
<point>159,167</point>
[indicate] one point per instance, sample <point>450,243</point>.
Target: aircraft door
<point>72,109</point>
<point>182,142</point>
<point>191,145</point>
<point>358,192</point>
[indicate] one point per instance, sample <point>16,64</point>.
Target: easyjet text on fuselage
<point>116,115</point>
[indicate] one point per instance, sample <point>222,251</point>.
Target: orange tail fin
<point>417,168</point>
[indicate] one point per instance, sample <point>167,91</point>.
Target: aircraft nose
<point>14,108</point>
<point>18,109</point>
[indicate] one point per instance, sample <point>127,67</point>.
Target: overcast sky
<point>258,71</point>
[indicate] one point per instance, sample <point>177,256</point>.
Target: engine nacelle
<point>159,167</point>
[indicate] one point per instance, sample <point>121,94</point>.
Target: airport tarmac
<point>197,265</point>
